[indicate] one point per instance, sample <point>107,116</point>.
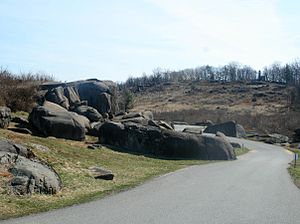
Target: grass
<point>295,170</point>
<point>241,151</point>
<point>71,159</point>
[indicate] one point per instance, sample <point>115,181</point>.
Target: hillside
<point>259,106</point>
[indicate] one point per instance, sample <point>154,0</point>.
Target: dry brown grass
<point>195,101</point>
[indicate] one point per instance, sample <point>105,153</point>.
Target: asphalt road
<point>256,188</point>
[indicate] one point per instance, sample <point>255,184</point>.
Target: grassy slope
<point>295,171</point>
<point>71,160</point>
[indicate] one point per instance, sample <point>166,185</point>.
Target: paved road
<point>256,188</point>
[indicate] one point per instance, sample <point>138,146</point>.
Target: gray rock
<point>100,95</point>
<point>229,128</point>
<point>101,173</point>
<point>11,147</point>
<point>54,120</point>
<point>5,116</point>
<point>148,115</point>
<point>33,176</point>
<point>91,113</point>
<point>152,140</point>
<point>30,175</point>
<point>276,138</point>
<point>57,96</point>
<point>72,96</point>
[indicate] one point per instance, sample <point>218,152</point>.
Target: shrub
<point>18,91</point>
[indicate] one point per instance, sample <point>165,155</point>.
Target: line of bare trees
<point>285,74</point>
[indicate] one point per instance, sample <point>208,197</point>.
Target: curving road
<point>256,188</point>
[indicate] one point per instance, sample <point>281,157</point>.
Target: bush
<point>17,91</point>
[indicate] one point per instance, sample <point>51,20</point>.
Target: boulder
<point>4,117</point>
<point>100,95</point>
<point>101,173</point>
<point>146,139</point>
<point>54,120</point>
<point>91,113</point>
<point>276,139</point>
<point>71,95</point>
<point>11,147</point>
<point>57,96</point>
<point>30,175</point>
<point>229,128</point>
<point>27,174</point>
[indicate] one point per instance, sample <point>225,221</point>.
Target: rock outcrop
<point>276,138</point>
<point>4,117</point>
<point>229,128</point>
<point>152,140</point>
<point>54,120</point>
<point>97,94</point>
<point>29,175</point>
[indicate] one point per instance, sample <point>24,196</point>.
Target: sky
<point>114,40</point>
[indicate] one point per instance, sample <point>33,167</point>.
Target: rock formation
<point>50,119</point>
<point>146,139</point>
<point>229,128</point>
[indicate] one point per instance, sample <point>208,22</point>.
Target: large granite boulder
<point>54,120</point>
<point>4,117</point>
<point>153,140</point>
<point>28,175</point>
<point>229,128</point>
<point>100,95</point>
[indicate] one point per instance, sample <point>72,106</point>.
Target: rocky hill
<point>259,106</point>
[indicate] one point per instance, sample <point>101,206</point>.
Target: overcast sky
<point>76,39</point>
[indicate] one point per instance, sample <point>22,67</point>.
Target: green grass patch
<point>241,151</point>
<point>71,159</point>
<point>294,170</point>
